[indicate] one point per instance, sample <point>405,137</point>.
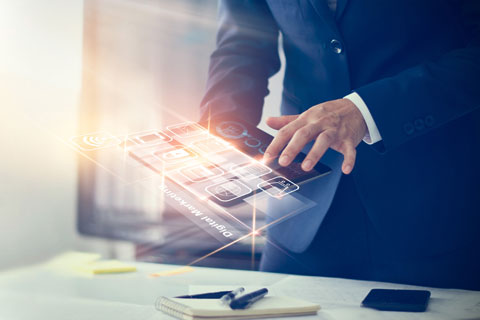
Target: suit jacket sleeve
<point>429,95</point>
<point>245,57</point>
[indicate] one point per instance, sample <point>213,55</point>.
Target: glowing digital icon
<point>210,145</point>
<point>150,137</point>
<point>251,170</point>
<point>176,155</point>
<point>95,141</point>
<point>232,130</point>
<point>201,172</point>
<point>253,142</point>
<point>235,130</point>
<point>187,129</point>
<point>278,187</point>
<point>228,190</point>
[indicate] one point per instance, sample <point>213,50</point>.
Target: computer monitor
<point>143,61</point>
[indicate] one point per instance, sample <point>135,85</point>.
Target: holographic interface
<point>207,166</point>
<point>215,178</point>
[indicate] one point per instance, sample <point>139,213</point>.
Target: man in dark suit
<point>404,77</point>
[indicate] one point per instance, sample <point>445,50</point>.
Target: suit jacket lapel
<point>324,12</point>
<point>341,4</point>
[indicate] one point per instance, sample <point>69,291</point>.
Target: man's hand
<point>336,124</point>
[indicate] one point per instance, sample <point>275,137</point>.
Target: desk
<point>42,292</point>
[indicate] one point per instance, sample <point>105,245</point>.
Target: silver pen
<point>227,298</point>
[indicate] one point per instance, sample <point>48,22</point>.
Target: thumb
<point>279,122</point>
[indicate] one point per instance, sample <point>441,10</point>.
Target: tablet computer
<point>253,141</point>
<point>220,160</point>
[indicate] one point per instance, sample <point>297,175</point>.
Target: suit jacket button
<point>419,124</point>
<point>409,128</point>
<point>429,121</point>
<point>336,46</point>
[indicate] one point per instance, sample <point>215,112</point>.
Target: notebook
<point>270,306</point>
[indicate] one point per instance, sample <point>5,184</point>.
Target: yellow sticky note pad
<point>172,272</point>
<point>72,259</point>
<point>107,266</point>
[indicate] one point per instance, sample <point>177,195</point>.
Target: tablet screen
<point>253,141</point>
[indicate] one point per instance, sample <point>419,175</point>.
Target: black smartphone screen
<point>397,300</point>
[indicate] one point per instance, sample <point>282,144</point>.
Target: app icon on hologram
<point>186,130</point>
<point>210,145</point>
<point>228,190</point>
<point>150,137</point>
<point>95,141</point>
<point>176,155</point>
<point>251,170</point>
<point>201,172</point>
<point>278,187</point>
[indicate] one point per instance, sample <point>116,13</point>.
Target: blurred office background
<point>68,66</point>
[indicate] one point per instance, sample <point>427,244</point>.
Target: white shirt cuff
<point>373,135</point>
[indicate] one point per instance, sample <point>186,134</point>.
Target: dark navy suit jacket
<point>416,64</point>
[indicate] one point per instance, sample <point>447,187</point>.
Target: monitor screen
<point>140,59</point>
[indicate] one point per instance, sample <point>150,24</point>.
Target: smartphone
<point>397,300</point>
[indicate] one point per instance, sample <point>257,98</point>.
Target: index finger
<point>281,139</point>
<point>279,122</point>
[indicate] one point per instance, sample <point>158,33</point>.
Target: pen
<point>227,298</point>
<point>248,299</point>
<point>208,295</point>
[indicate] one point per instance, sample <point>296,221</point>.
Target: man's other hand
<point>336,124</point>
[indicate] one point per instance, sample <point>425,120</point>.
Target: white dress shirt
<point>373,135</point>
